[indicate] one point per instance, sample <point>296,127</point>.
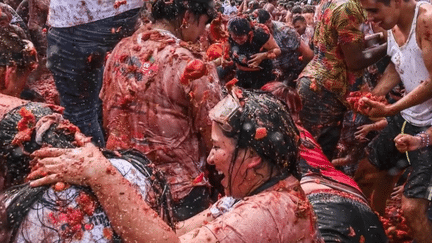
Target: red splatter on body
<point>195,69</point>
<point>88,227</point>
<point>25,127</point>
<point>72,219</point>
<point>86,203</point>
<point>110,170</point>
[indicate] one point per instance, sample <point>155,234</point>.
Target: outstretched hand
<point>78,166</point>
<point>372,108</point>
<point>363,131</point>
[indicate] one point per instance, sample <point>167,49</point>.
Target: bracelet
<point>425,140</point>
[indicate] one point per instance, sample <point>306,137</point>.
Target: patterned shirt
<point>339,24</point>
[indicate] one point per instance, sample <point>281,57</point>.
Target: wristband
<point>425,140</point>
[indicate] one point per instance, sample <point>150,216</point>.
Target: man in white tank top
<point>409,26</point>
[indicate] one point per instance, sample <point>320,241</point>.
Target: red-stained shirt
<point>146,107</point>
<point>316,163</point>
<point>279,214</point>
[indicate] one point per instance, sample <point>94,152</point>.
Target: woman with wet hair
<point>157,93</point>
<point>252,49</point>
<point>255,147</point>
<point>62,212</point>
<point>343,212</point>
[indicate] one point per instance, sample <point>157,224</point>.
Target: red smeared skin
<point>195,69</point>
<point>25,127</point>
<point>108,233</point>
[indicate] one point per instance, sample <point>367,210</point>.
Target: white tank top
<point>410,66</point>
<point>67,13</point>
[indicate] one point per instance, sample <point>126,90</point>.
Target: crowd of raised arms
<point>216,121</point>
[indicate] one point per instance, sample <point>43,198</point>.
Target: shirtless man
<point>410,47</point>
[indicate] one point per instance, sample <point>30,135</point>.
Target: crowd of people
<point>215,121</point>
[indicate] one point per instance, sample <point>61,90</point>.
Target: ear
<point>188,17</point>
<point>254,161</point>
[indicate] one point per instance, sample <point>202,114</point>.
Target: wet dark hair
<point>279,147</point>
<point>298,18</point>
<point>297,10</point>
<point>239,26</point>
<point>15,166</point>
<point>287,94</point>
<point>309,9</point>
<point>263,16</point>
<point>14,160</point>
<point>162,9</point>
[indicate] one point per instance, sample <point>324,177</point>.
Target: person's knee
<point>414,209</point>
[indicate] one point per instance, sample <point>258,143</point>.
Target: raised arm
<point>130,216</point>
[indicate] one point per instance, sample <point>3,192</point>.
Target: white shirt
<point>230,9</point>
<point>409,64</point>
<point>45,223</point>
<point>68,13</point>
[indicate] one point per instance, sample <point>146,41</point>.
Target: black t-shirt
<point>241,54</point>
<point>251,47</point>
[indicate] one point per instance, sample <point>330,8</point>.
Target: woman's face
<point>239,39</point>
<point>196,27</point>
<point>221,157</point>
